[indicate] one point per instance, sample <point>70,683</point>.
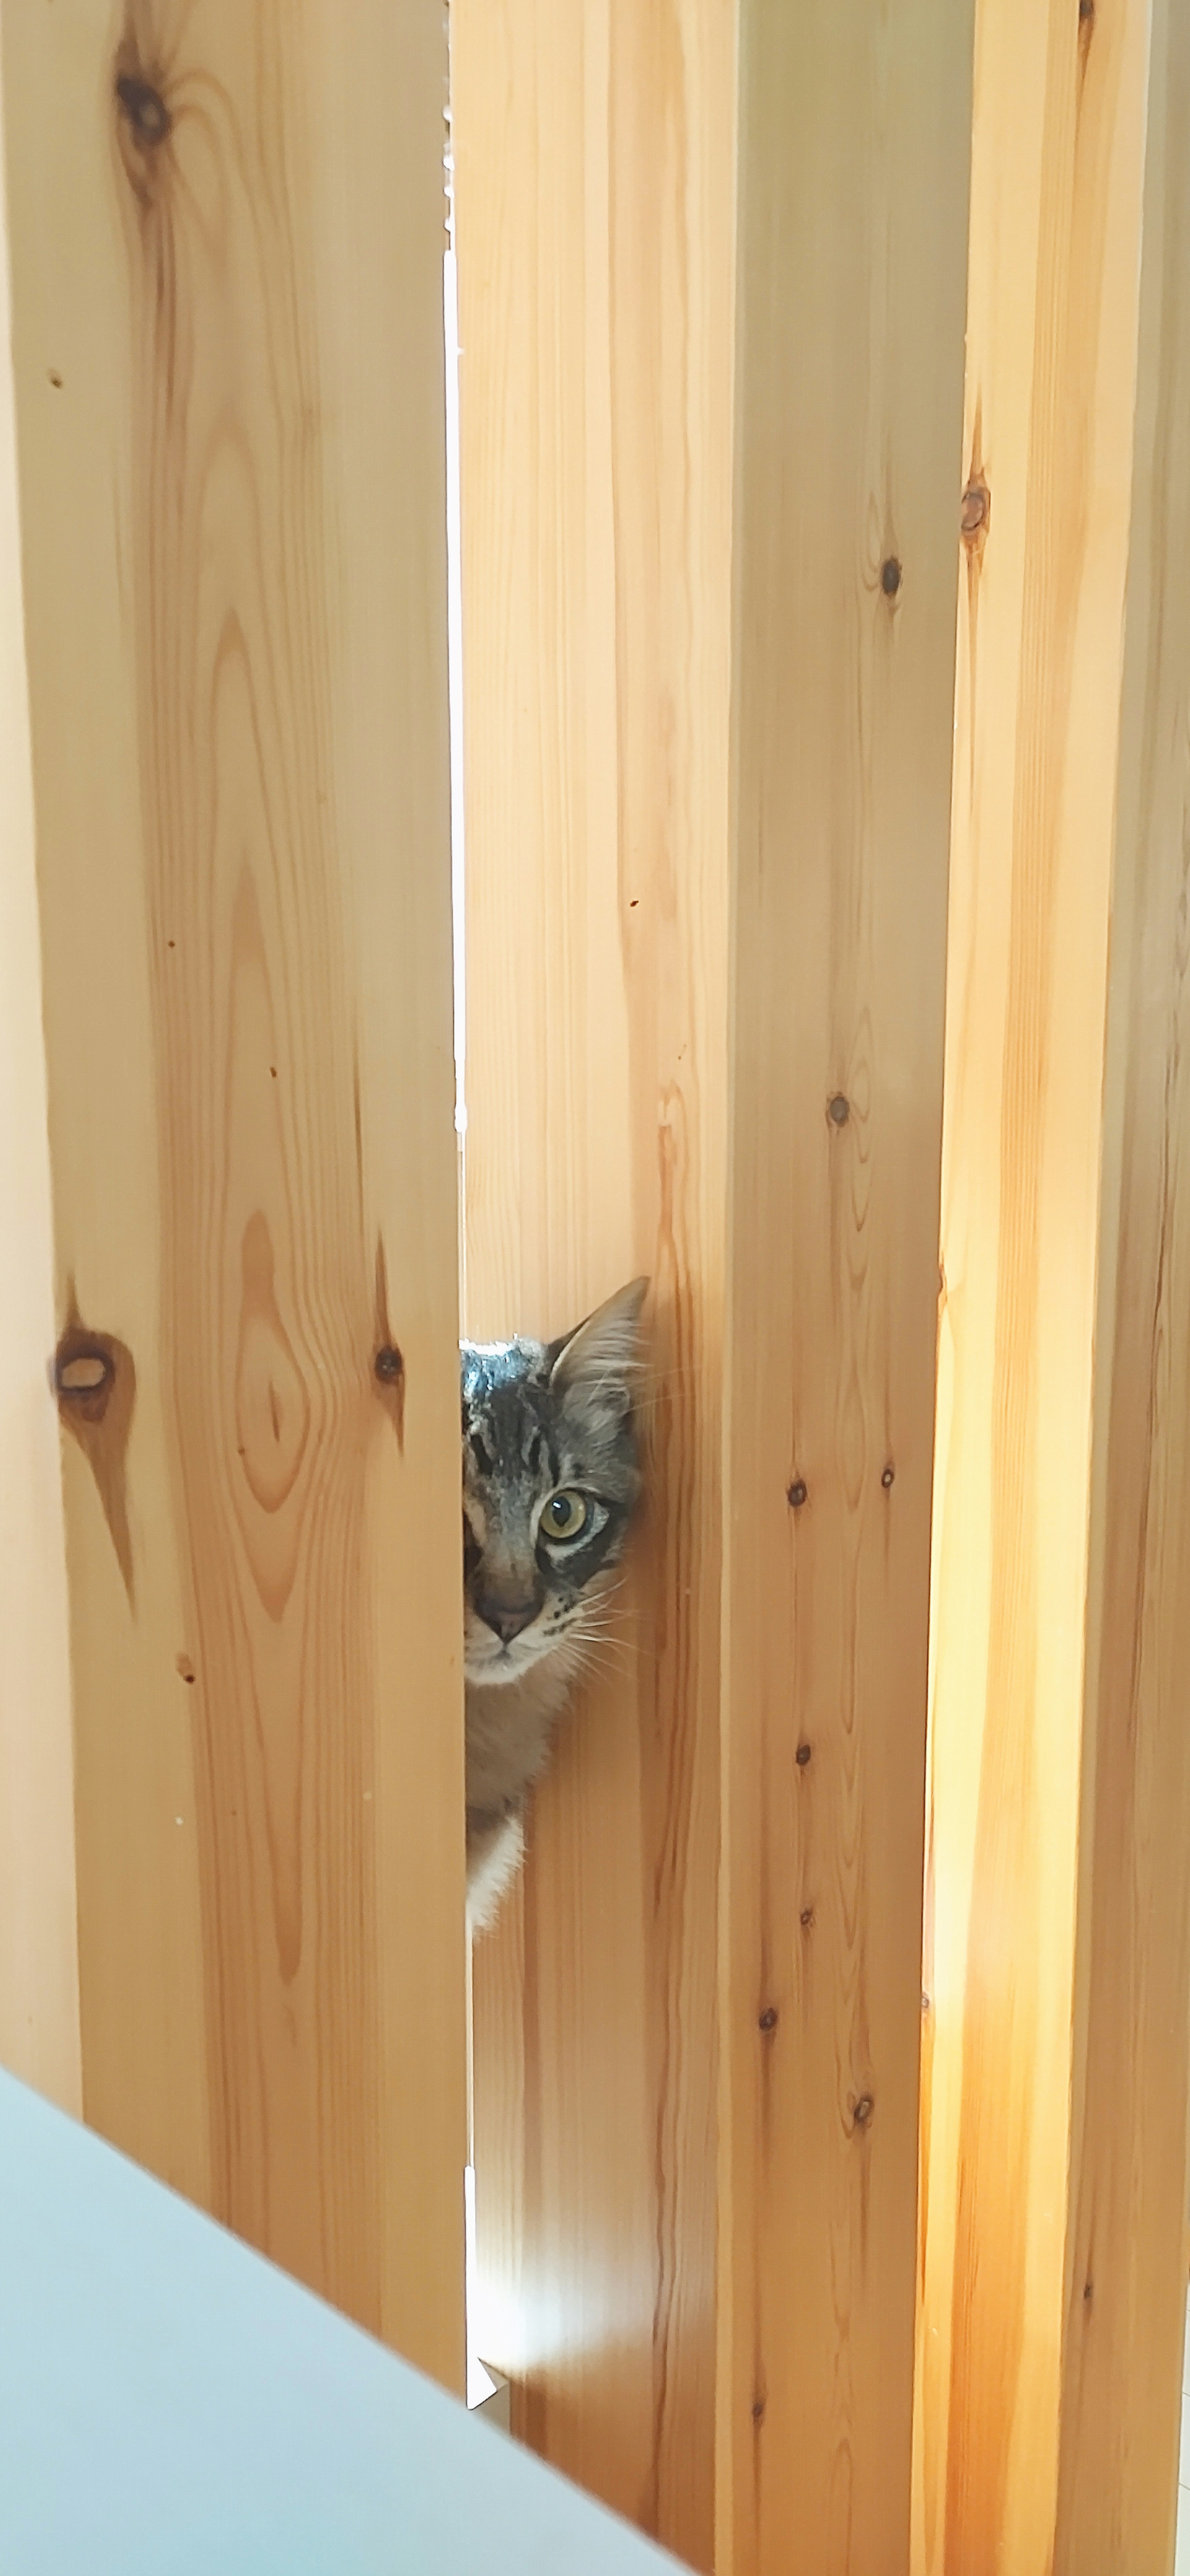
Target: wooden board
<point>1130,2142</point>
<point>39,2002</point>
<point>1052,317</point>
<point>226,234</point>
<point>594,149</point>
<point>853,162</point>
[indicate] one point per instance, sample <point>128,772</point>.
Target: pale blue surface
<point>170,2405</point>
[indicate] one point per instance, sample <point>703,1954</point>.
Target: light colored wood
<point>594,157</point>
<point>853,160</point>
<point>39,2002</point>
<point>1130,2147</point>
<point>227,333</point>
<point>1052,316</point>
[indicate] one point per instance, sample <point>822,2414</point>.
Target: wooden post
<point>39,1997</point>
<point>607,1024</point>
<point>593,148</point>
<point>225,232</point>
<point>1058,1962</point>
<point>853,155</point>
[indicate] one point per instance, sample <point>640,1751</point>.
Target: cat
<point>551,1479</point>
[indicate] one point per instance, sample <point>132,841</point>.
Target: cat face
<point>550,1478</point>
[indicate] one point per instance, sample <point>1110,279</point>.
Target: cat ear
<point>598,1361</point>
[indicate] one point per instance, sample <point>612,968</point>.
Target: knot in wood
<point>769,2017</point>
<point>388,1364</point>
<point>888,1477</point>
<point>976,504</point>
<point>890,577</point>
<point>796,1494</point>
<point>802,1756</point>
<point>84,1374</point>
<point>838,1110</point>
<point>145,110</point>
<point>863,2111</point>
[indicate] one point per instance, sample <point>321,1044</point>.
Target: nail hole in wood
<point>144,108</point>
<point>768,2018</point>
<point>890,577</point>
<point>185,1668</point>
<point>803,1756</point>
<point>796,1495</point>
<point>838,1110</point>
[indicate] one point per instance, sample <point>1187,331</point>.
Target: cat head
<point>550,1479</point>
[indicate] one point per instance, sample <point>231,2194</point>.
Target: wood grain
<point>1130,2141</point>
<point>1058,142</point>
<point>853,161</point>
<point>226,230</point>
<point>594,149</point>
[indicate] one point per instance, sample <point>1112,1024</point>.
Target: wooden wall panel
<point>39,2004</point>
<point>594,150</point>
<point>1130,2144</point>
<point>1058,145</point>
<point>853,171</point>
<point>225,228</point>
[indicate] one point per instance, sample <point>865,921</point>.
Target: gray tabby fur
<point>541,1423</point>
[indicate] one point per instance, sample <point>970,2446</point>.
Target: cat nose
<point>507,1617</point>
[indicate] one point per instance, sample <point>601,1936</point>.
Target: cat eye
<point>564,1517</point>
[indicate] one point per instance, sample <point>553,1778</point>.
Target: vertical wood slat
<point>1048,2340</point>
<point>593,150</point>
<point>1130,2141</point>
<point>39,2000</point>
<point>853,163</point>
<point>226,247</point>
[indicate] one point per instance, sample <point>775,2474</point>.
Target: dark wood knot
<point>890,577</point>
<point>145,110</point>
<point>838,1110</point>
<point>388,1364</point>
<point>84,1375</point>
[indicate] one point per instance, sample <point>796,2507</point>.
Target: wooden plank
<point>226,236</point>
<point>39,2001</point>
<point>1052,318</point>
<point>853,159</point>
<point>594,152</point>
<point>1130,2147</point>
